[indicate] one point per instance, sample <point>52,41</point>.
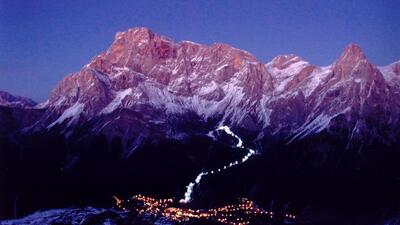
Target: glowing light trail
<point>189,188</point>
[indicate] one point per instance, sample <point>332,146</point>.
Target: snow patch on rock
<point>72,112</point>
<point>117,101</point>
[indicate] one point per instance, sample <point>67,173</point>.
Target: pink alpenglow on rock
<point>144,79</point>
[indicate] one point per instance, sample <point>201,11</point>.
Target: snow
<point>234,95</point>
<point>359,63</point>
<point>190,42</point>
<point>72,112</point>
<point>283,76</point>
<point>117,101</point>
<point>198,58</point>
<point>355,130</point>
<point>387,72</point>
<point>103,78</point>
<point>42,105</point>
<point>164,98</point>
<point>71,216</point>
<point>221,67</point>
<point>208,88</point>
<point>264,113</point>
<point>119,35</point>
<point>315,80</point>
<point>120,71</point>
<point>295,68</point>
<point>175,70</point>
<point>71,161</point>
<point>289,71</point>
<point>60,101</point>
<point>316,125</point>
<point>142,43</point>
<point>281,86</point>
<point>134,146</point>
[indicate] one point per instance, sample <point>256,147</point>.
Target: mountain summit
<point>353,61</point>
<point>352,54</point>
<point>7,99</point>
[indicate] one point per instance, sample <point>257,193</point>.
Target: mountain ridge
<point>150,79</point>
<point>7,99</point>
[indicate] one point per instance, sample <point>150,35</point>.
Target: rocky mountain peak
<point>7,99</point>
<point>352,53</point>
<point>284,61</point>
<point>139,37</point>
<point>136,33</point>
<point>351,61</point>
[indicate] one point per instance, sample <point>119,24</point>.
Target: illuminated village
<point>241,213</point>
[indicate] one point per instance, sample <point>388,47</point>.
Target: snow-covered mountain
<point>9,100</point>
<point>85,216</point>
<point>146,84</point>
<point>16,113</point>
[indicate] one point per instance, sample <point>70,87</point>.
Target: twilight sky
<point>42,41</point>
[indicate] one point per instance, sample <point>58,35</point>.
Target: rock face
<point>145,82</point>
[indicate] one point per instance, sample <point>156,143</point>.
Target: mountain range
<point>145,85</point>
<point>143,108</point>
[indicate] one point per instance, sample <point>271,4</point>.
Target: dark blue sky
<point>42,41</point>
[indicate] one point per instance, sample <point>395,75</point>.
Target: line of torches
<point>189,188</point>
<point>235,214</point>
